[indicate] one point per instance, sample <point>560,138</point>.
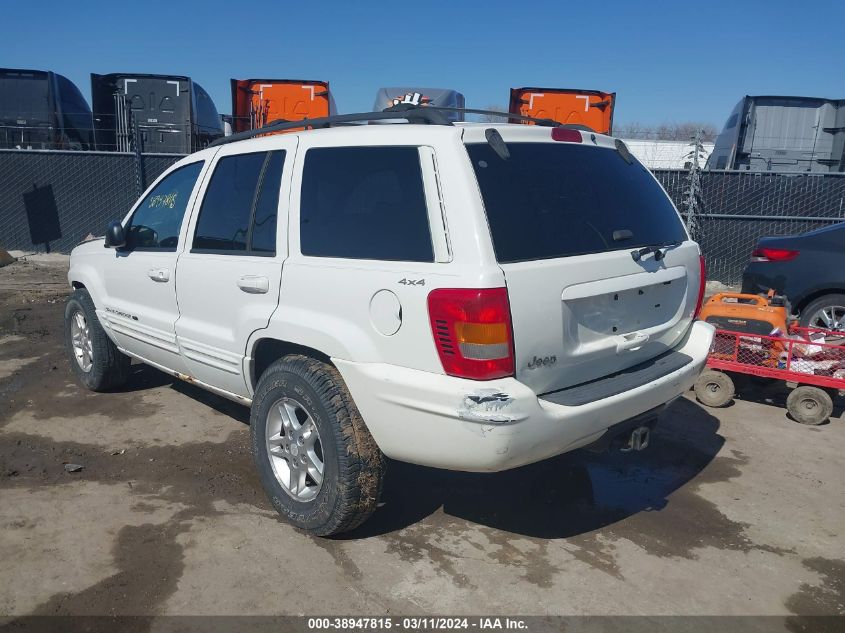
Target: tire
<point>809,405</point>
<point>714,388</point>
<point>102,367</point>
<point>835,305</point>
<point>299,390</point>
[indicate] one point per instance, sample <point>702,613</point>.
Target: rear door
<point>26,116</point>
<point>565,218</point>
<point>162,108</point>
<point>229,274</point>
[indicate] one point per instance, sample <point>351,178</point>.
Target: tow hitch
<point>629,435</point>
<point>638,439</point>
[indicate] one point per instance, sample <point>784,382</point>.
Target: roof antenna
<point>497,143</point>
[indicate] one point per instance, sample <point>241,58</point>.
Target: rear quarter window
<point>364,203</point>
<point>552,200</point>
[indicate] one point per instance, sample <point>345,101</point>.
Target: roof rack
<point>432,115</point>
<point>417,115</point>
<point>504,115</point>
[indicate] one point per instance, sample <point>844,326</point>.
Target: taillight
<point>701,286</point>
<point>472,331</point>
<point>564,134</point>
<point>773,255</point>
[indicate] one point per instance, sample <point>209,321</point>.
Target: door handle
<point>254,285</point>
<point>159,274</point>
<point>632,341</point>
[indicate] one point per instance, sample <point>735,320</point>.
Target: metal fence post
<point>138,158</point>
<point>692,195</point>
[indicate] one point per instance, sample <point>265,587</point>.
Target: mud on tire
<point>809,405</point>
<point>109,367</point>
<point>353,465</point>
<point>714,388</point>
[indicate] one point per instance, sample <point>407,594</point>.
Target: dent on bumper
<point>446,422</point>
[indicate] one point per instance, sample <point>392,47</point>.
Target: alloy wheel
<point>80,335</point>
<point>294,447</point>
<point>829,318</point>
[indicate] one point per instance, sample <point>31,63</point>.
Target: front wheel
<point>93,357</point>
<point>317,462</point>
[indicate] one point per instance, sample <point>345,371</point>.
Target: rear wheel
<point>809,405</point>
<point>827,313</point>
<point>714,388</point>
<point>318,463</point>
<point>93,356</point>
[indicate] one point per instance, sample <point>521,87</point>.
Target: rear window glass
<point>553,200</point>
<point>223,222</point>
<point>364,203</point>
<point>267,206</point>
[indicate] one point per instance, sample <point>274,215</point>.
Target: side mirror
<point>115,235</point>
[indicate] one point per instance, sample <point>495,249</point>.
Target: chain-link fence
<point>53,199</point>
<point>736,208</point>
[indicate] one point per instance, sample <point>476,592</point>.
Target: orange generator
<point>591,108</point>
<point>749,314</point>
<point>257,102</point>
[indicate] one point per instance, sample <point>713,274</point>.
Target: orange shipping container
<point>592,108</point>
<point>257,102</point>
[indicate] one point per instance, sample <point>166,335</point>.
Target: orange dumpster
<point>257,102</point>
<point>591,108</point>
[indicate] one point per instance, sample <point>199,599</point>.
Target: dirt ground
<point>732,512</point>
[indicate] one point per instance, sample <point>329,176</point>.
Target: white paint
<point>349,310</point>
<point>586,99</point>
<point>386,313</point>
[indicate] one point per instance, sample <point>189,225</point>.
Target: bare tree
<point>667,131</point>
<point>492,118</point>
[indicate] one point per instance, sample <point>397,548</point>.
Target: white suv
<point>471,296</point>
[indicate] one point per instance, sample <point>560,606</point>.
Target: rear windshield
<point>555,200</point>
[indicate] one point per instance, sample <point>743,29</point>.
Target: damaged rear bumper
<point>446,422</point>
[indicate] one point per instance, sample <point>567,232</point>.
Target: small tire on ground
<point>109,366</point>
<point>809,405</point>
<point>714,388</point>
<point>353,465</point>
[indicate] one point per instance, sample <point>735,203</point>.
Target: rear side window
<point>238,213</point>
<point>364,203</point>
<point>553,200</point>
<point>156,222</point>
<point>267,206</point>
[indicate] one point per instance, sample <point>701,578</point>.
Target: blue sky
<point>667,61</point>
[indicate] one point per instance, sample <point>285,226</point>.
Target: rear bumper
<point>445,422</point>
